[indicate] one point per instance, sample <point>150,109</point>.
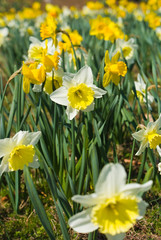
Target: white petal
<point>67,80</point>
<point>19,137</point>
<point>4,32</point>
<point>142,209</point>
<point>37,88</point>
<point>35,163</point>
<point>157,123</point>
<point>120,236</point>
<point>140,80</point>
<point>143,145</point>
<point>81,222</point>
<point>4,165</point>
<point>98,92</point>
<point>86,200</point>
<point>6,146</point>
<point>159,150</point>
<point>136,188</point>
<point>89,108</point>
<point>139,136</point>
<point>111,179</point>
<point>71,112</point>
<point>84,75</point>
<point>27,138</point>
<point>34,40</point>
<point>33,138</point>
<point>150,98</point>
<point>60,96</point>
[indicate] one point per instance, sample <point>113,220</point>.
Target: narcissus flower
<point>128,48</point>
<point>3,34</point>
<point>48,29</point>
<point>141,91</point>
<point>19,151</point>
<point>114,207</point>
<point>44,53</point>
<point>78,92</point>
<point>32,73</point>
<point>150,136</point>
<point>113,69</point>
<point>105,28</point>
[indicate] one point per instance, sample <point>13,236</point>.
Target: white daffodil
<point>3,34</point>
<point>128,48</point>
<point>38,48</point>
<point>114,207</point>
<point>78,92</point>
<point>149,137</point>
<point>141,91</point>
<point>19,151</point>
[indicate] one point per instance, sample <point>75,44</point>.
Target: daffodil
<point>105,28</point>
<point>141,91</point>
<point>150,136</point>
<point>114,207</point>
<point>48,28</point>
<point>77,92</point>
<point>32,73</point>
<point>3,34</point>
<point>38,49</point>
<point>113,69</point>
<point>19,151</point>
<point>54,80</point>
<point>45,53</point>
<point>127,48</point>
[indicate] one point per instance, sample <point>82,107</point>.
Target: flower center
<point>116,215</point>
<point>80,97</point>
<point>126,51</point>
<point>20,156</point>
<point>36,52</point>
<point>154,139</point>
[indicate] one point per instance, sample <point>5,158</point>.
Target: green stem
<point>141,169</point>
<point>73,150</point>
<point>54,136</point>
<point>17,186</point>
<point>130,167</point>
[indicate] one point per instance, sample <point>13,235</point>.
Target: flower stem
<point>141,169</point>
<point>130,167</point>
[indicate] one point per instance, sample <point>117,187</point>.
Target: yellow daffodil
<point>48,29</point>
<point>19,151</point>
<point>54,80</point>
<point>149,137</point>
<point>77,92</point>
<point>75,38</point>
<point>153,19</point>
<point>50,61</point>
<point>113,69</point>
<point>94,5</point>
<point>114,207</point>
<point>32,74</point>
<point>104,28</point>
<point>52,10</point>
